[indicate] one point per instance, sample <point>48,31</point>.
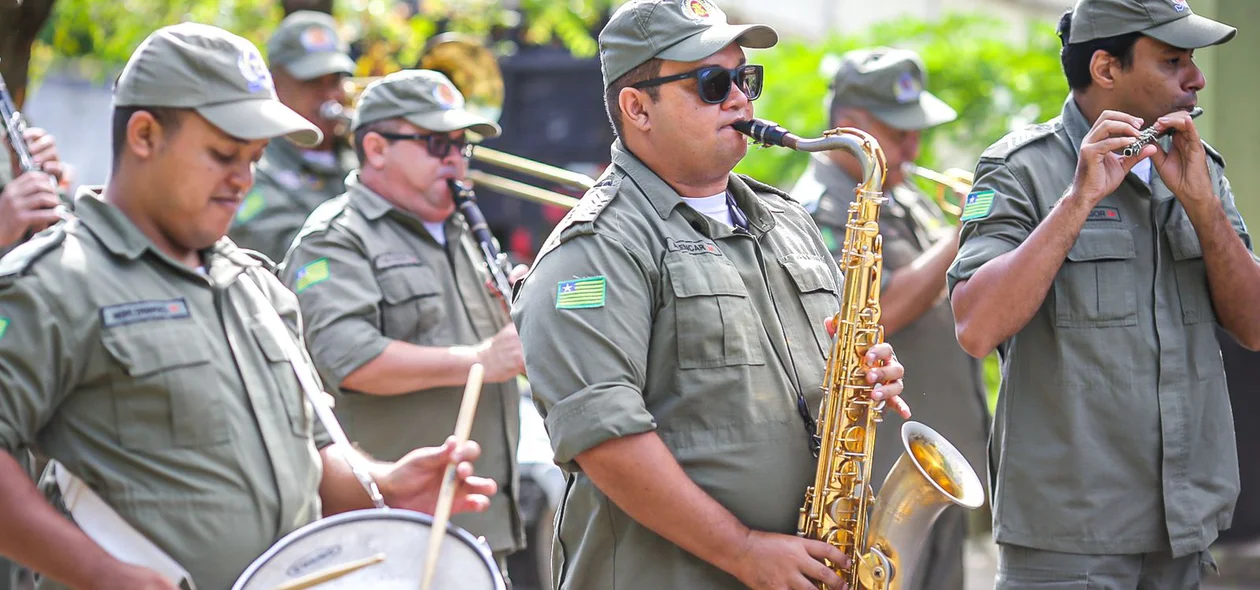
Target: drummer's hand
<point>886,371</point>
<point>414,481</point>
<point>124,576</point>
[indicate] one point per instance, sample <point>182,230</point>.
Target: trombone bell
<point>957,180</point>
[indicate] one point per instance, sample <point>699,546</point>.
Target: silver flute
<point>1149,135</point>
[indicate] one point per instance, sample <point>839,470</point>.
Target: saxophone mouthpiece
<point>763,132</point>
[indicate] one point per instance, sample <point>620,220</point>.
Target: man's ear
<point>145,135</point>
<point>635,108</point>
<point>1103,68</point>
<point>374,146</point>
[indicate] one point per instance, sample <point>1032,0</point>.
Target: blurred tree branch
<point>20,22</point>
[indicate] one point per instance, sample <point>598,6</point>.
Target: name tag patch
<point>144,311</point>
<point>1104,214</point>
<point>692,246</point>
<point>396,259</point>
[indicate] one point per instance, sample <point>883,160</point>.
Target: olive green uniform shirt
<point>160,388</point>
<point>704,334</point>
<point>944,385</point>
<point>1113,432</point>
<point>288,185</point>
<point>388,279</point>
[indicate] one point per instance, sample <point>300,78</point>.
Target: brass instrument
<point>474,71</point>
<point>956,180</point>
<point>885,536</point>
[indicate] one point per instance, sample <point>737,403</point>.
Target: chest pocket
<point>716,323</point>
<point>412,305</point>
<point>1191,272</point>
<point>170,394</point>
<point>1095,287</point>
<point>286,383</point>
<point>818,294</point>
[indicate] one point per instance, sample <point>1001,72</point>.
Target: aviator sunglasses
<point>714,82</point>
<point>439,145</point>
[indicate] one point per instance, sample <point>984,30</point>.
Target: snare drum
<point>401,536</point>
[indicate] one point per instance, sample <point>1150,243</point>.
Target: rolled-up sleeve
<point>587,365</point>
<point>34,367</point>
<point>1009,221</point>
<point>342,311</point>
<point>1226,193</point>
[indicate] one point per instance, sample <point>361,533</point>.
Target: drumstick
<point>446,497</point>
<point>332,573</point>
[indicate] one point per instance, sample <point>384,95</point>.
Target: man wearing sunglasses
<point>673,330</point>
<point>881,91</point>
<point>392,287</point>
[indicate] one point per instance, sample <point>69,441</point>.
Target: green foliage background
<point>998,79</point>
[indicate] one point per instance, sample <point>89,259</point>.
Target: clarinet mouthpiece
<point>762,131</point>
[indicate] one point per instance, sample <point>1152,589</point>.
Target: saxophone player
<point>1100,279</point>
<point>392,288</point>
<point>673,329</point>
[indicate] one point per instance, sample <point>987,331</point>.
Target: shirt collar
<point>1074,123</point>
<point>365,200</point>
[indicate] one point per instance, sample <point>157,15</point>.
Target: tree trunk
<point>291,6</point>
<point>20,23</point>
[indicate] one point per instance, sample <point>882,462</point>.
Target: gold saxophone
<point>883,537</point>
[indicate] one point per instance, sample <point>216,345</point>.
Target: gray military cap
<point>307,46</point>
<point>424,98</point>
<point>677,30</point>
<point>217,74</point>
<point>888,83</point>
<point>1170,21</point>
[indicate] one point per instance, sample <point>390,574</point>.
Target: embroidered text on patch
<point>312,274</point>
<point>1104,214</point>
<point>977,205</point>
<point>581,293</point>
<point>144,311</point>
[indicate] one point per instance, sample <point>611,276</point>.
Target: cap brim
<point>1192,32</point>
<point>714,39</point>
<point>454,120</point>
<point>263,118</point>
<point>928,111</point>
<point>309,67</point>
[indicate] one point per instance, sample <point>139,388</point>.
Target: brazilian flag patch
<point>4,327</point>
<point>978,205</point>
<point>312,274</point>
<point>251,206</point>
<point>581,293</point>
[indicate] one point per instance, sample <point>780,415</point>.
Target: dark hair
<point>642,72</point>
<point>169,118</point>
<point>1076,57</point>
<point>382,126</point>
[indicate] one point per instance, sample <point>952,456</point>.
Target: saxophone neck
<point>855,141</point>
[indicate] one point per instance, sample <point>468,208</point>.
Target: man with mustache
<point>1100,279</point>
<point>674,330</point>
<point>150,356</point>
<point>393,291</point>
<point>308,62</point>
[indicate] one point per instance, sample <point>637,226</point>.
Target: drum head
<point>402,536</point>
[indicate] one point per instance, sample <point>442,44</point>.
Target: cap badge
<point>700,9</point>
<point>254,70</point>
<point>446,96</point>
<point>318,39</point>
<point>908,88</point>
<point>1180,5</point>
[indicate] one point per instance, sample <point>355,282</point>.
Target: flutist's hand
<point>415,481</point>
<point>26,205</point>
<point>1184,167</point>
<point>770,561</point>
<point>886,371</point>
<point>1099,170</point>
<point>43,150</point>
<point>502,356</point>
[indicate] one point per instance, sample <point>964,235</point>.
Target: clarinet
<point>13,124</point>
<point>496,262</point>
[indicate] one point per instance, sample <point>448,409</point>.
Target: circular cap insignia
<point>699,9</point>
<point>1180,5</point>
<point>907,88</point>
<point>446,97</point>
<point>318,39</point>
<point>254,70</point>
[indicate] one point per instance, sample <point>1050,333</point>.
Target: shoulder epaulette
<point>1018,139</point>
<point>322,217</point>
<point>20,259</point>
<point>762,187</point>
<point>580,219</point>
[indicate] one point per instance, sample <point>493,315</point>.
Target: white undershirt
<point>1143,170</point>
<point>715,208</point>
<point>437,229</point>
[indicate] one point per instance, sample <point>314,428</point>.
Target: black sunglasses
<point>714,82</point>
<point>439,145</point>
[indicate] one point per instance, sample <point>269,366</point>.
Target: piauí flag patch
<point>4,327</point>
<point>978,205</point>
<point>581,293</point>
<point>250,207</point>
<point>312,274</point>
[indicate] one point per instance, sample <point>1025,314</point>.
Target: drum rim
<point>464,536</point>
